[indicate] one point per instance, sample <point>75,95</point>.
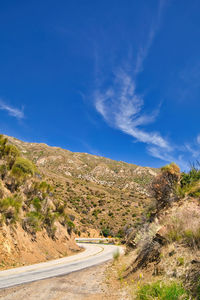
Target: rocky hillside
<point>100,194</point>
<point>33,227</point>
<point>164,254</point>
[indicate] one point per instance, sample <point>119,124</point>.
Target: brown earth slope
<point>99,193</point>
<point>164,257</point>
<point>33,227</point>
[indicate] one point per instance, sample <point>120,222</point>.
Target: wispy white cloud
<point>122,108</point>
<point>193,150</point>
<point>12,111</point>
<point>144,50</point>
<point>169,157</point>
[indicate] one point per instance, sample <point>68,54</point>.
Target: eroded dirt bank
<point>20,248</point>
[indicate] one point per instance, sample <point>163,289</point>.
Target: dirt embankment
<point>17,247</point>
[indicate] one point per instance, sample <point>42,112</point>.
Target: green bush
<point>33,220</point>
<point>11,152</point>
<point>120,233</point>
<point>10,208</point>
<point>180,261</point>
<point>3,142</point>
<point>3,171</point>
<point>23,167</point>
<point>96,212</point>
<point>37,204</point>
<point>192,176</point>
<point>162,291</point>
<point>70,226</point>
<point>45,187</point>
<point>106,232</point>
<point>41,187</point>
<point>190,182</point>
<point>50,218</point>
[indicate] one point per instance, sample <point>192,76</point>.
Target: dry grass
<point>99,192</point>
<point>184,226</point>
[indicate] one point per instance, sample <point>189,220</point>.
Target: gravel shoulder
<point>86,284</point>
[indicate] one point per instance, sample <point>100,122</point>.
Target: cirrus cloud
<point>122,108</point>
<point>12,111</point>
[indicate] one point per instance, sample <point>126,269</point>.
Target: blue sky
<point>119,79</point>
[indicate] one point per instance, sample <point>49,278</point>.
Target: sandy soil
<point>88,284</point>
<point>18,248</point>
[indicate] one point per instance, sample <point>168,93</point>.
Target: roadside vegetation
<point>26,198</point>
<point>157,216</point>
<point>162,291</point>
<point>162,260</point>
<point>190,182</point>
<point>107,197</point>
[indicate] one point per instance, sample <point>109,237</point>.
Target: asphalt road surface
<point>94,254</point>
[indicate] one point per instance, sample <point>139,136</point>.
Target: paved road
<point>93,255</point>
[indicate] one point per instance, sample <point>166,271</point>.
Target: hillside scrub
<point>183,225</point>
<point>166,247</point>
<point>190,182</point>
<point>7,151</point>
<point>30,213</point>
<point>162,291</point>
<point>30,200</point>
<point>9,209</point>
<point>23,167</point>
<point>111,194</point>
<point>165,185</point>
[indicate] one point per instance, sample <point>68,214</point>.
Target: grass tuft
<point>162,291</point>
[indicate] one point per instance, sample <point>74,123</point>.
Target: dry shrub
<point>184,227</point>
<point>165,185</point>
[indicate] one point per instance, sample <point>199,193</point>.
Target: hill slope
<point>32,228</point>
<point>100,194</point>
<point>164,257</point>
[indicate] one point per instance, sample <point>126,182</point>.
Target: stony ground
<point>88,284</point>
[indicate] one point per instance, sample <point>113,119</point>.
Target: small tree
<point>23,167</point>
<point>165,185</point>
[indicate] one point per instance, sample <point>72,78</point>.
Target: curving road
<point>94,254</point>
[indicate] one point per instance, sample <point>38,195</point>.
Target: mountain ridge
<point>113,194</point>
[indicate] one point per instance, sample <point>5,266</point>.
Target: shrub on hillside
<point>9,209</point>
<point>45,187</point>
<point>7,151</point>
<point>23,167</point>
<point>184,227</point>
<point>192,176</point>
<point>65,220</point>
<point>11,152</point>
<point>40,188</point>
<point>190,182</point>
<point>3,142</point>
<point>37,204</point>
<point>3,171</point>
<point>70,226</point>
<point>33,222</point>
<point>165,185</point>
<point>106,232</point>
